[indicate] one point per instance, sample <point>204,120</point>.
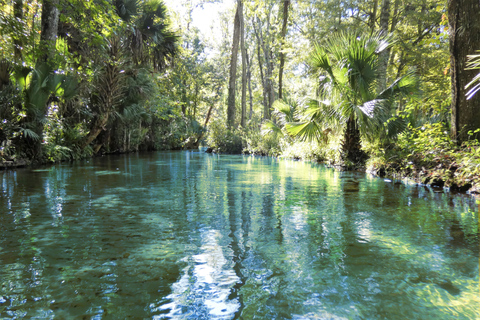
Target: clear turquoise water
<point>188,235</point>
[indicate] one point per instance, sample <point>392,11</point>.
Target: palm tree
<point>150,38</point>
<point>146,41</point>
<point>347,70</point>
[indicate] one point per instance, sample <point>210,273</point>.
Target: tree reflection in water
<point>184,235</point>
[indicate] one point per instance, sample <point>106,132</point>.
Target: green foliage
<point>261,143</point>
<point>428,155</point>
<point>148,34</point>
<point>223,140</point>
<point>305,151</point>
<point>347,68</point>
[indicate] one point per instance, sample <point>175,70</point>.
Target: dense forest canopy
<point>347,82</point>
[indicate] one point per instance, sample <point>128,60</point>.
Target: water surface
<point>188,235</point>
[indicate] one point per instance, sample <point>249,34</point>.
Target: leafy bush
<point>325,151</point>
<point>429,155</point>
<point>261,144</point>
<point>223,140</point>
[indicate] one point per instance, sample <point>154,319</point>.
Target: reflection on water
<point>204,288</point>
<point>187,235</point>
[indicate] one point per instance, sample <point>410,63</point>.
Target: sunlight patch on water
<point>364,227</point>
<point>205,286</point>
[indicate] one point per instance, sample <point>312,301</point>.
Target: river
<point>189,235</point>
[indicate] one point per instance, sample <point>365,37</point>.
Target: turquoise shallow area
<point>189,235</point>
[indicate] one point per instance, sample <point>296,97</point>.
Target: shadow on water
<point>185,235</point>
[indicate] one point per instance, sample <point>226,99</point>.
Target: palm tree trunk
<point>352,145</point>
<point>97,128</point>
<point>373,15</point>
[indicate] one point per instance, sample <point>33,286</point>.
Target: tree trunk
<point>244,65</point>
<point>184,98</point>
<point>97,128</point>
<point>233,70</point>
<point>260,67</point>
<point>269,88</point>
<point>286,4</point>
<point>196,143</point>
<point>48,37</point>
<point>393,25</point>
<point>352,146</point>
<point>463,17</point>
<point>373,15</point>
<point>384,55</point>
<point>209,113</point>
<point>249,81</point>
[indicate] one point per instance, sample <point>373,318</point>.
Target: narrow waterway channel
<point>189,235</point>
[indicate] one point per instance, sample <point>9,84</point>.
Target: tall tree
<point>48,37</point>
<point>373,15</point>
<point>233,69</point>
<point>244,64</point>
<point>384,55</point>
<point>249,81</point>
<point>463,17</point>
<point>286,5</point>
<point>262,76</point>
<point>264,45</point>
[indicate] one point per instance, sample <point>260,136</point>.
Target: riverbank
<point>433,177</point>
<point>452,174</point>
<point>458,174</point>
<point>13,164</point>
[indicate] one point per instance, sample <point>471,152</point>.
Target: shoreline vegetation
<point>443,171</point>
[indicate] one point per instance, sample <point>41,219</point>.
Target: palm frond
<point>126,9</point>
<point>404,86</point>
<point>473,61</point>
<point>394,126</point>
<point>270,127</point>
<point>305,131</point>
<point>29,134</point>
<point>284,112</point>
<point>319,60</point>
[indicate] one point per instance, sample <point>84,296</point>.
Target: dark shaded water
<point>187,235</point>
